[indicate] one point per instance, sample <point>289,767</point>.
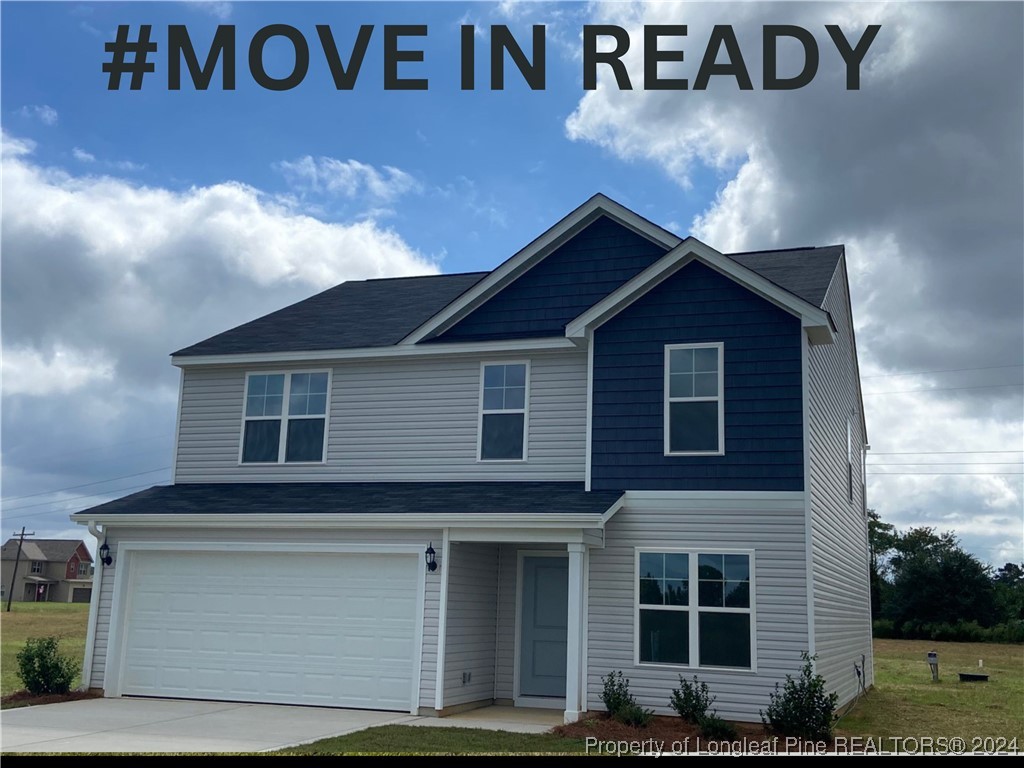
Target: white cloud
<point>34,372</point>
<point>44,113</point>
<point>82,156</point>
<point>219,10</point>
<point>348,179</point>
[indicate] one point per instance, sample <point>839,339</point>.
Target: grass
<point>66,620</point>
<point>905,702</point>
<point>408,739</point>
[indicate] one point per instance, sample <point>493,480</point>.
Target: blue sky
<point>136,223</point>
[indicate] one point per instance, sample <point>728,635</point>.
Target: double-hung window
<point>83,569</point>
<point>695,608</point>
<point>503,407</point>
<point>37,566</point>
<point>285,418</point>
<point>849,459</point>
<point>694,412</point>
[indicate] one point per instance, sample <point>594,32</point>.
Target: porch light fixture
<point>104,553</point>
<point>429,556</point>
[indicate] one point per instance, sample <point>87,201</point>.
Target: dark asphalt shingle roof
<point>283,499</point>
<point>50,550</point>
<point>380,313</point>
<point>359,313</point>
<point>805,272</point>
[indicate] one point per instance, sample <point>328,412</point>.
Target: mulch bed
<point>672,734</point>
<point>26,699</point>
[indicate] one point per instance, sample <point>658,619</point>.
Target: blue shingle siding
<point>763,404</point>
<point>569,281</point>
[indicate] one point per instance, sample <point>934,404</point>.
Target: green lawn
<point>905,702</point>
<point>66,620</point>
<point>407,739</point>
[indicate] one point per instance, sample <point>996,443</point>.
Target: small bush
<point>802,708</point>
<point>691,701</point>
<point>620,702</point>
<point>714,727</point>
<point>43,669</point>
<point>635,715</point>
<point>884,628</point>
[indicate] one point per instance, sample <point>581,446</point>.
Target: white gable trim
<point>536,251</point>
<point>814,320</point>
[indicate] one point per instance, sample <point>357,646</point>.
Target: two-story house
<point>618,450</point>
<point>48,571</point>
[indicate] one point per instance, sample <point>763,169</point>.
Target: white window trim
<point>525,410</point>
<point>695,609</point>
<point>36,567</point>
<point>849,459</point>
<point>83,568</point>
<point>720,399</point>
<point>284,418</point>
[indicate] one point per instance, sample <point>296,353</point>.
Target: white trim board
<point>597,206</point>
<point>815,320</point>
<point>456,521</point>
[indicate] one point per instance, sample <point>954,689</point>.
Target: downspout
<point>94,609</point>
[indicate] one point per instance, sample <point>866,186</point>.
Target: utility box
<point>933,665</point>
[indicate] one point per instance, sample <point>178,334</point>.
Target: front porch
<point>512,621</point>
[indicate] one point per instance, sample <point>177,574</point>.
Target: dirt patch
<point>673,734</point>
<point>26,699</point>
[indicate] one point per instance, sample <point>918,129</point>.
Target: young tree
<point>882,539</point>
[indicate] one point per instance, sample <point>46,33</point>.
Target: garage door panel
<point>326,629</point>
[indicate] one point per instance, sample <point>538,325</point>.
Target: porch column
<point>574,636</point>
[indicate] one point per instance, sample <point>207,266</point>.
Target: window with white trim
<point>695,608</point>
<point>37,566</point>
<point>849,459</point>
<point>285,418</point>
<point>503,399</point>
<point>83,569</point>
<point>694,413</point>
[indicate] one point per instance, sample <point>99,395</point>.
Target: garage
<point>321,628</point>
<point>81,594</point>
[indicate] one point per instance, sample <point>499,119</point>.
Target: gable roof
<point>49,550</point>
<point>359,313</point>
<point>400,312</point>
<point>288,502</point>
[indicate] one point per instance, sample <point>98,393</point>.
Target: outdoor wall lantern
<point>429,555</point>
<point>104,553</point>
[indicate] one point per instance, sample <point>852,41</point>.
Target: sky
<point>137,222</point>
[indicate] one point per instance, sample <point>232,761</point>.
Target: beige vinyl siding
<point>428,664</point>
<point>471,623</point>
<point>394,420</point>
<point>772,528</point>
<point>842,603</point>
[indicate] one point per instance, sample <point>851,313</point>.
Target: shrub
<point>620,702</point>
<point>802,708</point>
<point>43,669</point>
<point>635,715</point>
<point>714,727</point>
<point>884,628</point>
<point>691,701</point>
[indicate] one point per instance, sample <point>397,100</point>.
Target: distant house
<point>49,571</point>
<point>620,450</point>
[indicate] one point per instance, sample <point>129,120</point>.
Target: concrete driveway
<point>160,725</point>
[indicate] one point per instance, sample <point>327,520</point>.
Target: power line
<point>72,498</point>
<point>50,511</point>
<point>84,485</point>
<point>941,370</point>
<point>941,389</point>
<point>52,456</point>
<point>930,453</point>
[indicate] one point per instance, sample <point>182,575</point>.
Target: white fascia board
<point>370,353</point>
<point>814,319</point>
<point>328,520</point>
<point>596,206</point>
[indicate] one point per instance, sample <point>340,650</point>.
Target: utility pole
<point>17,559</point>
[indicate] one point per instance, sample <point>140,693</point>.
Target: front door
<point>542,639</point>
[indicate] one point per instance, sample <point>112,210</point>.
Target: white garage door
<point>326,629</point>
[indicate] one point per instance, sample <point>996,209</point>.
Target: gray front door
<point>542,641</point>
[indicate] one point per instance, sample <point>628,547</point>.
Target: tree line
<point>925,586</point>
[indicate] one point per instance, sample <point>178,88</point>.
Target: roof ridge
<point>415,277</point>
<point>786,250</point>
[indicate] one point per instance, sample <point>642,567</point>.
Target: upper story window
<point>285,418</point>
<point>83,569</point>
<point>695,608</point>
<point>694,412</point>
<point>503,399</point>
<point>37,566</point>
<point>849,459</point>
